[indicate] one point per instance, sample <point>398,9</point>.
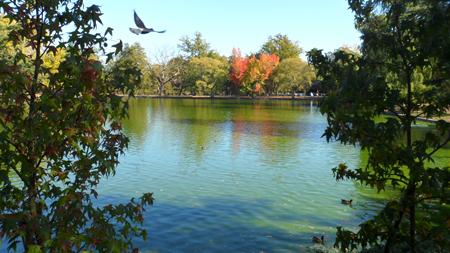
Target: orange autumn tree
<point>259,70</point>
<point>250,73</point>
<point>239,66</point>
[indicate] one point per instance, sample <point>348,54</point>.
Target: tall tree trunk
<point>407,120</point>
<point>412,180</point>
<point>160,90</point>
<point>394,229</point>
<point>32,219</point>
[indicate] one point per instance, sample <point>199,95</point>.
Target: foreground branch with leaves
<point>60,131</point>
<point>403,71</point>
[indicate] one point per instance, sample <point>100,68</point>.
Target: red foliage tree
<point>260,69</point>
<point>250,73</point>
<point>267,63</point>
<point>239,66</point>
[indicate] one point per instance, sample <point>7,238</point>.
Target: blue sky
<point>225,24</point>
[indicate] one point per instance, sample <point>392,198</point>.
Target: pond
<point>236,176</point>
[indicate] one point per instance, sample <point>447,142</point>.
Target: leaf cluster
<point>374,99</point>
<point>60,131</point>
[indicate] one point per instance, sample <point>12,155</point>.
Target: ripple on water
<point>235,176</point>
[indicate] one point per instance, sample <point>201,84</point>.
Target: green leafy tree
<point>404,71</point>
<point>282,46</point>
<point>333,69</point>
<point>60,132</point>
<point>292,75</point>
<point>165,70</point>
<point>208,75</point>
<point>131,57</point>
<point>196,47</point>
<point>179,83</point>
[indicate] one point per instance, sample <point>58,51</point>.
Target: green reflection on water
<point>237,175</point>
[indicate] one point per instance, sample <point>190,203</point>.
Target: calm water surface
<point>236,176</point>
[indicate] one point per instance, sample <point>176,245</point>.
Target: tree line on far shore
<point>276,69</point>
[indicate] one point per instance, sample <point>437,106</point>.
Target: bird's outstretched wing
<point>141,27</point>
<point>149,30</point>
<point>136,31</point>
<point>138,21</point>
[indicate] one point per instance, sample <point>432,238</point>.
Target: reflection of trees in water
<point>273,127</point>
<point>206,124</point>
<point>136,125</point>
<point>205,121</point>
<point>276,130</point>
<point>197,124</point>
<point>238,129</point>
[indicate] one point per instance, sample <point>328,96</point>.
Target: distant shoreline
<point>296,98</point>
<point>300,98</point>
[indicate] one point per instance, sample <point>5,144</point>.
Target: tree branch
<point>438,147</point>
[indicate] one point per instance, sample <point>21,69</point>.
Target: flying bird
<point>141,27</point>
